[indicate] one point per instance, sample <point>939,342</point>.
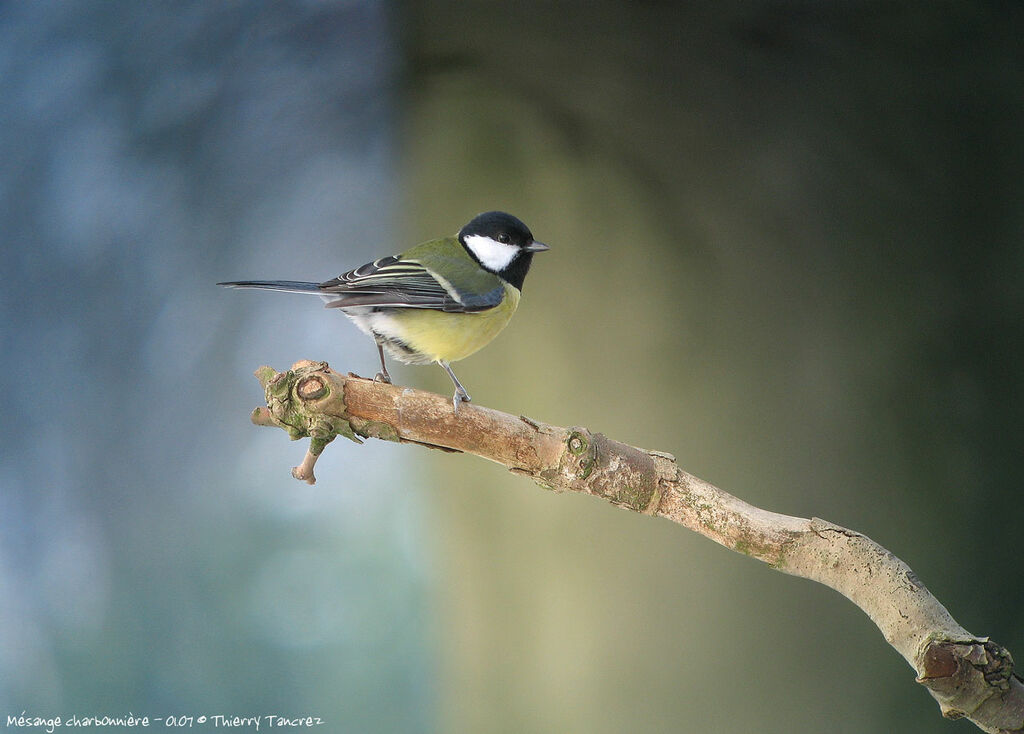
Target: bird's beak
<point>536,246</point>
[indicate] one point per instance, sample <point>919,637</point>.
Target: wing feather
<point>399,283</point>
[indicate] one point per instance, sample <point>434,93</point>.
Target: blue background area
<point>154,554</point>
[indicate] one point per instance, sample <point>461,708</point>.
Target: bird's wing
<point>399,282</point>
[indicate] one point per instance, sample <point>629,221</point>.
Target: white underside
<point>376,322</point>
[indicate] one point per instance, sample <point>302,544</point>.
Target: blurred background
<point>786,247</point>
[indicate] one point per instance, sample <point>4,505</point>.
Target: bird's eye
<point>503,238</point>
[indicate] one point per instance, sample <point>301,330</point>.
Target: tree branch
<point>969,676</point>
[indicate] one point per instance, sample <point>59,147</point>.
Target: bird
<point>437,302</point>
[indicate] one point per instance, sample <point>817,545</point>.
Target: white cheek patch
<point>494,255</point>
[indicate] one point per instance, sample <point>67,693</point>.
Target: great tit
<point>439,301</point>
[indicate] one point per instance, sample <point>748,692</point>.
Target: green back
<point>448,259</point>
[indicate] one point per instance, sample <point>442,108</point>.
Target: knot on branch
<point>597,465</point>
<point>965,673</point>
<point>307,400</point>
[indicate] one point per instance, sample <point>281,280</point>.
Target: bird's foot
<point>382,377</point>
<point>460,396</point>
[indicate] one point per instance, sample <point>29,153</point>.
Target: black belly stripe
<point>396,343</point>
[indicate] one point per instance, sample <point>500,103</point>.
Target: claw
<point>460,396</point>
<point>383,375</point>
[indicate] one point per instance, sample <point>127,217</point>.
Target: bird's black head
<point>501,244</point>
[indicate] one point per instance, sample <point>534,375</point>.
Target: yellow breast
<point>454,336</point>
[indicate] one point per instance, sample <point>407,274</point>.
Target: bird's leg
<point>460,396</point>
<point>383,375</point>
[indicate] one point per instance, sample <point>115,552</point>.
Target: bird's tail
<point>289,286</point>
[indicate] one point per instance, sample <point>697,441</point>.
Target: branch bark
<point>969,676</point>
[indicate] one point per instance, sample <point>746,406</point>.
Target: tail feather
<point>289,286</point>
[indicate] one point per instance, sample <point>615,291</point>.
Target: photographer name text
<point>50,724</point>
